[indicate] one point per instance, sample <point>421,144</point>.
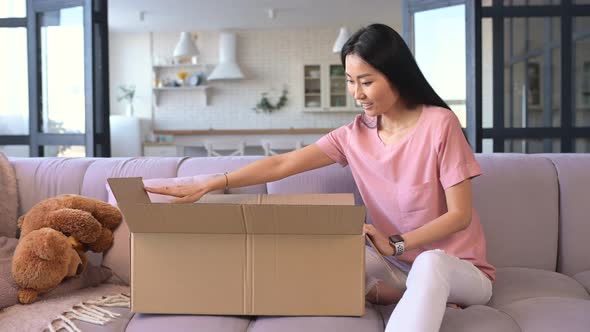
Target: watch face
<point>396,238</point>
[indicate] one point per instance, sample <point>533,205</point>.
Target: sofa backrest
<point>210,165</point>
<point>573,171</point>
<point>40,178</point>
<point>95,179</point>
<point>517,200</point>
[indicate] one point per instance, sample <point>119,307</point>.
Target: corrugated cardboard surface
<point>245,254</point>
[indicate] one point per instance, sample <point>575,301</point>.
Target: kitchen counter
<point>242,141</point>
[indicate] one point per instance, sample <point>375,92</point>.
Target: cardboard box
<point>245,254</point>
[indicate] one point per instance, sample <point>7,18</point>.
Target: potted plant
<point>127,94</point>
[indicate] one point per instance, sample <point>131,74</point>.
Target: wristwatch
<point>398,244</point>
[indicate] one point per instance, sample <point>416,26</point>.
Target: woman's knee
<point>430,265</point>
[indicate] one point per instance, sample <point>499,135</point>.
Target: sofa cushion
<point>41,178</point>
<point>192,323</point>
<point>193,166</point>
<point>584,279</point>
<point>515,284</point>
<point>97,174</point>
<point>330,179</point>
<point>370,322</point>
<point>550,314</point>
<point>477,318</point>
<point>515,195</point>
<point>162,182</point>
<point>574,228</point>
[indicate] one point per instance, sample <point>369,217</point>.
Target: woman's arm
<point>458,217</point>
<point>261,171</point>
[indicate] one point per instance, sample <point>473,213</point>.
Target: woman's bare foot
<point>454,306</point>
<point>383,294</point>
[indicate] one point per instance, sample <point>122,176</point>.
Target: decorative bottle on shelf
<point>129,110</point>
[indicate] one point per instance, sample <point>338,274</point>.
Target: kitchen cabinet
<point>324,88</point>
<point>165,75</point>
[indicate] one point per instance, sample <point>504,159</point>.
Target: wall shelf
<point>199,88</point>
<point>180,66</point>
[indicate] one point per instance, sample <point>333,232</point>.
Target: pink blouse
<point>402,184</point>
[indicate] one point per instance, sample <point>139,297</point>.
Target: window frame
<point>96,138</point>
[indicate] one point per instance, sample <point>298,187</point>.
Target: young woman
<point>413,167</point>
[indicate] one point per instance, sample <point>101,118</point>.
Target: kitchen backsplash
<point>269,59</point>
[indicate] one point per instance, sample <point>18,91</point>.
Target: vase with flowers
<point>127,94</point>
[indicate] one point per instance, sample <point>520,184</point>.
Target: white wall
<point>129,63</point>
<point>269,59</point>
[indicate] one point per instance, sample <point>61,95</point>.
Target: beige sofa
<point>535,210</point>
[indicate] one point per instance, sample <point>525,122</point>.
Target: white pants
<point>435,278</point>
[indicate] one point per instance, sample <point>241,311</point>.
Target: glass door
<point>68,93</point>
<point>62,98</point>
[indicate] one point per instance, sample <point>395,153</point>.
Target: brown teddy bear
<point>55,234</point>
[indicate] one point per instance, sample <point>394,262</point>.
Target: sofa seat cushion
<point>187,323</point>
<point>549,314</point>
<point>370,322</point>
<point>584,279</point>
<point>514,284</point>
<point>477,318</point>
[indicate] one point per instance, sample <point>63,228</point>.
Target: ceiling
<point>178,15</point>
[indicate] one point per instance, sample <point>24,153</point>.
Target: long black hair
<point>385,50</point>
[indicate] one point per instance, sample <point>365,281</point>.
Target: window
<point>14,82</point>
<point>535,76</point>
<point>52,100</point>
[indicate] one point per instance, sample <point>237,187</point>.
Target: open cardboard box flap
<point>303,214</point>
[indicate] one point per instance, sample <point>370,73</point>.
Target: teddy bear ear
<point>20,221</point>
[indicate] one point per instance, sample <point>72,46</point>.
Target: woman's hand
<point>185,193</point>
<point>379,240</point>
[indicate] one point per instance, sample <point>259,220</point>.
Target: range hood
<point>227,69</point>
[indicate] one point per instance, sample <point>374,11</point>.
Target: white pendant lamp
<point>341,40</point>
<point>186,46</point>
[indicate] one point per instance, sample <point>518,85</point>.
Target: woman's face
<point>369,87</point>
